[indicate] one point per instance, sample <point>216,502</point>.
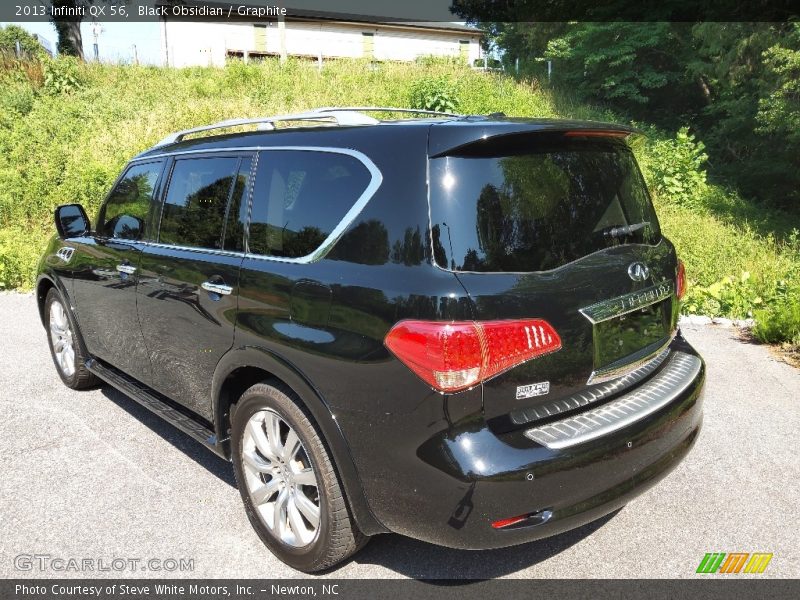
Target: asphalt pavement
<point>92,475</point>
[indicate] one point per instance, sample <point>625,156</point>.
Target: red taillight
<point>509,522</point>
<point>454,356</point>
<point>680,284</point>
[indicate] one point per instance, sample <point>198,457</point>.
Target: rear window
<point>300,198</point>
<point>535,204</point>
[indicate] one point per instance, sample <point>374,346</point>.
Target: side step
<point>154,404</point>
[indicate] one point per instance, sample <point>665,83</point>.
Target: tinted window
<point>126,210</point>
<point>195,210</point>
<point>300,197</point>
<point>537,205</point>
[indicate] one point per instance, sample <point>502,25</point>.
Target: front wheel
<point>290,489</point>
<point>65,347</point>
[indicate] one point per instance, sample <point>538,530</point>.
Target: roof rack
<point>365,109</point>
<point>349,115</point>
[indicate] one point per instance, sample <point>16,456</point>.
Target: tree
<point>68,26</point>
<point>10,35</point>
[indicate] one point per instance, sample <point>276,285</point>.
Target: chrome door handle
<point>217,288</point>
<point>127,269</point>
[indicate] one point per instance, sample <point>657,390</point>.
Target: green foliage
<point>29,45</point>
<point>677,169</point>
<point>58,147</point>
<point>62,76</point>
<point>433,93</point>
<point>780,323</point>
<point>20,249</point>
<point>779,112</point>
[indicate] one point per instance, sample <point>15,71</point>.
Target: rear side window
<point>126,210</point>
<point>300,197</point>
<point>537,203</point>
<point>195,211</point>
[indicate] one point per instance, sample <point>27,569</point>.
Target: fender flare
<point>261,358</point>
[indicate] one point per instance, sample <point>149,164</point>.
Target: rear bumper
<point>462,479</point>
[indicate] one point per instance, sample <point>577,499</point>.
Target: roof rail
<point>346,115</point>
<point>341,117</point>
<point>365,109</point>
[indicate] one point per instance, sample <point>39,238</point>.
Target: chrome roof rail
<point>341,117</point>
<point>364,109</point>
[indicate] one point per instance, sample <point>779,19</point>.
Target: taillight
<point>680,284</point>
<point>456,355</point>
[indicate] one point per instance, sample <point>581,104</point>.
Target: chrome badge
<point>533,389</point>
<point>638,271</point>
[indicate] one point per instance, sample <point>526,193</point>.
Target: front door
<point>188,285</point>
<point>106,269</point>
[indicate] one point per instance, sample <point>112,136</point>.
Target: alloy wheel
<point>280,479</point>
<point>61,338</point>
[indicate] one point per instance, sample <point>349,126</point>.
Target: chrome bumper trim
<point>677,375</point>
<point>591,395</point>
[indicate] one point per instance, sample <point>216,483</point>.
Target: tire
<point>276,483</point>
<point>66,347</point>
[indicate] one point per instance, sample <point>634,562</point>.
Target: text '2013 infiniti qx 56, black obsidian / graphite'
<point>462,329</point>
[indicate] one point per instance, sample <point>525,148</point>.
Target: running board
<point>156,405</point>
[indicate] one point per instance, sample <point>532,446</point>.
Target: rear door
<point>556,226</point>
<point>189,279</point>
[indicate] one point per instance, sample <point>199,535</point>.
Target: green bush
<point>676,169</point>
<point>434,93</point>
<point>62,76</point>
<point>19,252</point>
<point>781,322</point>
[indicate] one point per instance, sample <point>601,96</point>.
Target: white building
<point>195,43</point>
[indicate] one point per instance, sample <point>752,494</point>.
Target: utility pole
<point>135,55</point>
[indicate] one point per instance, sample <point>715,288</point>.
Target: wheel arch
<point>242,367</point>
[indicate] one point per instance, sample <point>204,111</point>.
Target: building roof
<point>331,16</point>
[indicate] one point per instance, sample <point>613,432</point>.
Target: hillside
<point>66,130</point>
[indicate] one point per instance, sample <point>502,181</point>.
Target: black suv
<point>462,329</point>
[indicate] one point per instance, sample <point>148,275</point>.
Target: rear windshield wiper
<point>623,230</point>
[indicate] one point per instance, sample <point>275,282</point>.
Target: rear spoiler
<point>451,137</point>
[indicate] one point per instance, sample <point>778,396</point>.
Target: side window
<point>300,197</point>
<point>125,212</point>
<point>195,209</point>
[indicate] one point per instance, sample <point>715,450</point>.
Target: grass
<point>67,129</point>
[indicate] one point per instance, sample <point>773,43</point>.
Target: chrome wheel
<point>280,479</point>
<point>61,338</point>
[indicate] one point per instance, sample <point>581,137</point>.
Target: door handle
<point>127,269</point>
<point>217,288</point>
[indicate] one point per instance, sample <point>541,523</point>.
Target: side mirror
<point>71,221</point>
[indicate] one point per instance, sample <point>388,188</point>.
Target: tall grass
<point>67,129</point>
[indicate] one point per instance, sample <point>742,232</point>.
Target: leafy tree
<point>11,34</point>
<point>68,28</point>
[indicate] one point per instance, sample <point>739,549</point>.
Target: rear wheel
<point>290,489</point>
<point>65,346</point>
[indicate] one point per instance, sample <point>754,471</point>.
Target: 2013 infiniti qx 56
<point>462,329</point>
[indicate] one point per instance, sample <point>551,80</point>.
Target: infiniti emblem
<point>638,271</point>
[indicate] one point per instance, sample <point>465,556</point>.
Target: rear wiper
<point>623,230</point>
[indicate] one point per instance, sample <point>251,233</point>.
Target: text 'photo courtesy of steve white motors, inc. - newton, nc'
<point>139,589</point>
